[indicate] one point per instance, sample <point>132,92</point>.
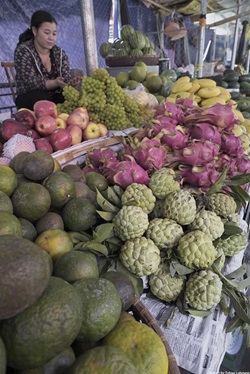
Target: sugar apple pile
<point>177,239</point>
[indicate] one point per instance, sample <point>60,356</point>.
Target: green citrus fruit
<point>142,345</point>
<point>5,203</point>
<point>28,229</point>
<point>31,201</point>
<point>75,172</point>
<point>8,180</point>
<point>55,242</point>
<point>9,224</point>
<point>75,265</point>
<point>96,181</point>
<point>124,286</point>
<point>100,313</point>
<point>103,360</point>
<point>38,165</point>
<point>17,162</point>
<point>79,214</point>
<point>49,221</point>
<point>61,188</point>
<point>24,273</point>
<point>45,328</point>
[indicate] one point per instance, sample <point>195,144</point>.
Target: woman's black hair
<point>39,17</point>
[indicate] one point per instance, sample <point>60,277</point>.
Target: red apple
<point>25,116</point>
<point>92,131</point>
<point>45,108</point>
<point>43,144</point>
<point>45,125</point>
<point>60,139</point>
<point>61,123</point>
<point>33,134</point>
<point>74,118</point>
<point>103,129</point>
<point>76,134</point>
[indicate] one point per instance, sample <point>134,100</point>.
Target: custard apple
<point>140,256</point>
<point>220,258</point>
<point>139,195</point>
<point>180,206</point>
<point>164,232</point>
<point>158,209</point>
<point>165,286</point>
<point>196,250</point>
<point>162,182</point>
<point>208,222</point>
<point>232,244</point>
<point>203,290</point>
<point>222,204</point>
<point>130,222</point>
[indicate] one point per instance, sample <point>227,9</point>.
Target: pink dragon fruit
<point>149,153</point>
<point>124,172</point>
<point>205,130</point>
<point>231,144</point>
<point>99,156</point>
<point>88,168</point>
<point>242,164</point>
<point>219,115</point>
<point>196,153</point>
<point>197,176</point>
<point>225,161</point>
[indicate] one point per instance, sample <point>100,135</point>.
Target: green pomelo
<point>61,188</point>
<point>28,229</point>
<point>123,285</point>
<point>75,172</point>
<point>24,273</point>
<point>138,73</point>
<point>38,165</point>
<point>44,329</point>
<point>82,190</point>
<point>5,203</point>
<point>103,360</point>
<point>154,84</point>
<point>75,265</point>
<point>79,214</point>
<point>142,65</point>
<point>131,84</point>
<point>50,221</point>
<point>31,201</point>
<point>18,161</point>
<point>58,365</point>
<point>9,224</point>
<point>96,181</point>
<point>101,308</point>
<point>122,78</point>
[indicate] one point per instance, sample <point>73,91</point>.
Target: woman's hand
<point>60,82</point>
<point>55,83</point>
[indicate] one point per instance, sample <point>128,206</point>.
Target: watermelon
<point>105,49</point>
<point>137,40</point>
<point>126,31</point>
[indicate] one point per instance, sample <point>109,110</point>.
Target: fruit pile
<point>49,274</point>
<point>131,43</point>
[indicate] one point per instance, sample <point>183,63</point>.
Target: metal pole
<point>89,36</point>
<point>236,36</point>
<point>202,37</point>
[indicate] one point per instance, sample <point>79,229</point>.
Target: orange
<point>55,242</point>
<point>8,180</point>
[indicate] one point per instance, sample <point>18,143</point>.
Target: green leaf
<point>78,237</point>
<point>231,229</point>
<point>105,204</point>
<point>233,324</point>
<point>238,273</point>
<point>107,216</point>
<point>199,313</point>
<point>239,180</point>
<point>113,197</point>
<point>118,190</point>
<point>239,303</point>
<point>179,268</point>
<point>241,194</point>
<point>103,232</point>
<point>217,186</point>
<point>241,285</point>
<point>95,247</point>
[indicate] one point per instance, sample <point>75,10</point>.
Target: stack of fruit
<point>49,277</point>
<point>131,43</point>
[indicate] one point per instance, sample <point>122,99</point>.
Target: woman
<point>42,68</point>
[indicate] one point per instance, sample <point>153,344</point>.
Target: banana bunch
<point>203,91</point>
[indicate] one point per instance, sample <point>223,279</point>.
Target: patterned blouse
<point>30,72</point>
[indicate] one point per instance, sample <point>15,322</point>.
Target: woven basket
<point>114,61</point>
<point>141,313</point>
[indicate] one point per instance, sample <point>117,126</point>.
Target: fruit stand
<point>151,172</point>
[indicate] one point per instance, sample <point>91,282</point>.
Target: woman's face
<point>45,35</point>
